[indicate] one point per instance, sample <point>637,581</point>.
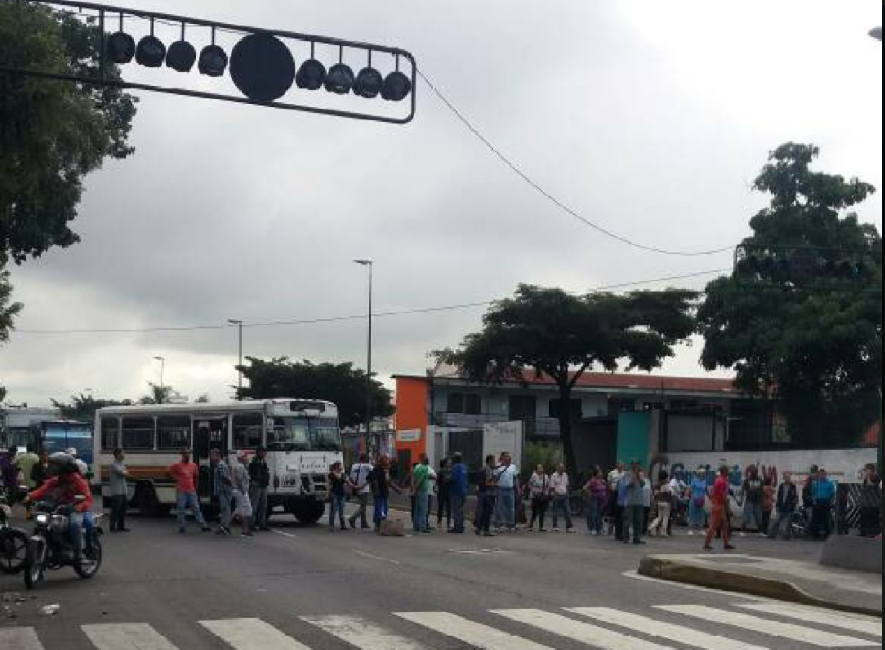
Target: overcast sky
<point>651,118</point>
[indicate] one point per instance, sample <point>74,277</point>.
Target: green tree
<point>83,407</point>
<point>8,310</point>
<point>554,333</point>
<point>339,383</point>
<point>816,344</point>
<point>158,394</point>
<point>52,133</point>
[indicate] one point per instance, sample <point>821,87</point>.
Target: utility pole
<point>162,361</point>
<point>368,440</point>
<point>239,325</point>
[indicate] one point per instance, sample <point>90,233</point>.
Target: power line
<point>340,319</point>
<point>547,195</point>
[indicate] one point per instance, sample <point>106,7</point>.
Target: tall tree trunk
<point>565,429</point>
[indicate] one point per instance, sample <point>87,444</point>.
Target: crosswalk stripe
<point>251,634</point>
<point>771,628</point>
<point>592,635</point>
<point>19,638</point>
<point>361,633</point>
<point>475,634</point>
<point>662,630</point>
<point>864,625</point>
<point>126,636</point>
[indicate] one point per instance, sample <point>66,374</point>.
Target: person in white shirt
<point>539,490</point>
<point>359,483</point>
<point>507,476</point>
<point>559,489</point>
<point>83,467</point>
<point>647,496</point>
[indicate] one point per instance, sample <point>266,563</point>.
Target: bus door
<point>210,433</point>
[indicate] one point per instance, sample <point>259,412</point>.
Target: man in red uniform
<point>719,518</point>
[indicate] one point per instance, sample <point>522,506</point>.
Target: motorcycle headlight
<point>42,519</point>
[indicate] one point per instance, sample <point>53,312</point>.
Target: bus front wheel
<point>309,513</point>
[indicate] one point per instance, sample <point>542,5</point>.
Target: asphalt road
<point>304,587</point>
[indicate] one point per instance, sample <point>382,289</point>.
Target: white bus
<point>302,438</point>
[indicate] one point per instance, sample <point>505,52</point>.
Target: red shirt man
<point>64,490</point>
<point>719,517</point>
<point>186,475</point>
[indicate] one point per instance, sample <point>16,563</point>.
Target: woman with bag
<point>597,497</point>
<point>539,492</point>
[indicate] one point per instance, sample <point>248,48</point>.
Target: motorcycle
<point>50,548</point>
<point>13,541</point>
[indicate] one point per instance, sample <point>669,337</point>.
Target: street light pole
<point>371,266</point>
<point>239,325</point>
<point>162,361</point>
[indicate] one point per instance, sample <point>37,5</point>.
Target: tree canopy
<point>816,345</point>
<point>8,310</point>
<point>554,333</point>
<point>339,383</point>
<point>52,133</point>
<point>83,407</point>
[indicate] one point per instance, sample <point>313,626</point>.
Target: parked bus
<point>53,436</point>
<point>302,438</point>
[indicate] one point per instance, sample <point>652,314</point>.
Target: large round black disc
<point>262,67</point>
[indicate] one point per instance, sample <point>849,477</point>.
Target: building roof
<point>616,381</point>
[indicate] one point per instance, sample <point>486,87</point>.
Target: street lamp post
<point>239,325</point>
<point>371,266</point>
<point>162,361</point>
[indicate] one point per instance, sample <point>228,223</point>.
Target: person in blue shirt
<point>458,492</point>
<point>823,492</point>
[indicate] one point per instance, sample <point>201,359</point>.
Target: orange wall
<point>411,412</point>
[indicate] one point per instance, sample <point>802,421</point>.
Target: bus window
<point>173,432</point>
<point>138,433</point>
<point>288,434</point>
<point>110,434</point>
<point>248,428</point>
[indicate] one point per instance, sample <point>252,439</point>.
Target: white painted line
<point>251,634</point>
<point>361,633</point>
<point>19,638</point>
<point>803,634</point>
<point>476,635</point>
<point>289,535</point>
<point>661,630</point>
<point>377,558</point>
<point>126,636</point>
<point>592,635</point>
<point>829,617</point>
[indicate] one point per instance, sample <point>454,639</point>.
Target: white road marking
<point>289,535</point>
<point>19,638</point>
<point>476,635</point>
<point>832,618</point>
<point>251,634</point>
<point>804,634</point>
<point>361,633</point>
<point>659,629</point>
<point>592,635</point>
<point>126,636</point>
<point>377,558</point>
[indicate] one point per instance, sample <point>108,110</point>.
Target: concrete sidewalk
<point>795,581</point>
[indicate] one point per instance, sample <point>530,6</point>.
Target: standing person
<point>679,501</point>
<point>337,492</point>
<point>647,500</point>
<point>25,462</point>
<point>40,471</point>
<point>240,493</point>
<point>719,517</point>
<point>507,477</point>
<point>118,487</point>
<point>458,492</point>
<point>359,483</point>
<point>381,486</point>
<point>444,494</point>
<point>785,503</point>
<point>870,502</point>
<point>186,474</point>
<point>8,473</point>
<point>81,466</point>
<point>664,499</point>
<point>616,510</point>
<point>597,496</point>
<point>421,488</point>
<point>483,522</point>
<point>753,494</point>
<point>823,492</point>
<point>697,505</point>
<point>259,482</point>
<point>807,498</point>
<point>634,503</point>
<point>768,494</point>
<point>559,489</point>
<point>222,488</point>
<point>539,491</point>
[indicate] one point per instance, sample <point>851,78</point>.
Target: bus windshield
<point>60,437</point>
<point>304,434</point>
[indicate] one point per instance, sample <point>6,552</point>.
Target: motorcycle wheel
<point>13,550</point>
<point>91,562</point>
<point>34,572</point>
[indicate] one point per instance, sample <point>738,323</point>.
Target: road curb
<point>693,574</point>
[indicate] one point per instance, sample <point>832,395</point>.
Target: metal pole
<point>240,365</point>
<point>369,366</point>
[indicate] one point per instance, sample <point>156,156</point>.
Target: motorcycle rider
<point>62,489</point>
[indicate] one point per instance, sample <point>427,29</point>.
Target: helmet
<point>62,463</point>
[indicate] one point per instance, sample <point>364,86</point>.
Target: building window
<point>173,433</point>
<point>110,434</point>
<point>464,403</point>
<point>248,429</point>
<point>138,434</point>
<point>523,407</point>
<point>621,405</point>
<point>575,408</point>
